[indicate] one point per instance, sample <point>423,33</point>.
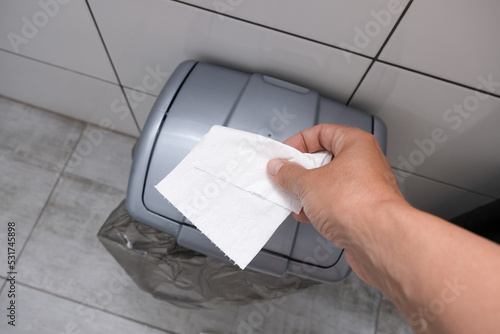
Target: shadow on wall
<point>483,221</point>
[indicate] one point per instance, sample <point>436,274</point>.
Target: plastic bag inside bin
<point>183,277</point>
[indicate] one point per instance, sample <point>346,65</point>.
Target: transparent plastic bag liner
<point>183,277</point>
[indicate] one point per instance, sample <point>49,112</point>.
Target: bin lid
<point>210,95</point>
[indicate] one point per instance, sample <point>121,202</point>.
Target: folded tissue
<point>223,188</point>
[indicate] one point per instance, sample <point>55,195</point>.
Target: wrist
<point>366,223</point>
<point>372,241</point>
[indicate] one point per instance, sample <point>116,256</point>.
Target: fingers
<point>301,217</point>
<point>321,137</point>
<point>286,174</point>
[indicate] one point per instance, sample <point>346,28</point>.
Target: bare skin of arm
<point>441,277</point>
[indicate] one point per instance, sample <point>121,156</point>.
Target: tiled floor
<point>60,180</point>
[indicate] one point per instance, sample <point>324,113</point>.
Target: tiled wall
<point>429,69</point>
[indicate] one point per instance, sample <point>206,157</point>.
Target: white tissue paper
<point>223,188</point>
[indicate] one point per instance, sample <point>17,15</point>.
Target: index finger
<point>321,137</point>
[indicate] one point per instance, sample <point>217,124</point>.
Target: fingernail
<point>274,166</point>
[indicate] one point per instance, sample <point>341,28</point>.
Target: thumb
<point>286,174</point>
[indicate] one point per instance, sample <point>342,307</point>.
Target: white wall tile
<point>454,39</point>
<point>461,147</point>
<point>65,92</point>
<point>437,198</point>
<point>161,34</point>
<point>55,31</point>
<point>141,104</point>
<point>357,25</point>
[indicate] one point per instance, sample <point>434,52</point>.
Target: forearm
<point>432,270</point>
<point>442,278</point>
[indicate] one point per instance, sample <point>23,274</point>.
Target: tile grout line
<point>444,183</point>
<point>263,26</point>
<point>63,115</point>
<point>396,25</point>
<point>373,59</point>
<point>3,285</point>
<point>113,66</point>
<point>141,91</point>
<point>284,32</point>
<point>93,307</point>
<point>360,81</point>
<point>58,66</point>
<point>432,76</point>
<point>380,296</point>
<point>56,183</point>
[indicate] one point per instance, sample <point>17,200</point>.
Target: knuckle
<point>362,137</point>
<point>291,178</point>
<point>303,183</point>
<point>370,137</point>
<point>286,176</point>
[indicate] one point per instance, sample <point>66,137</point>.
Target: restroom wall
<point>429,69</point>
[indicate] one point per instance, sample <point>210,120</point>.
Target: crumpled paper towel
<point>223,188</point>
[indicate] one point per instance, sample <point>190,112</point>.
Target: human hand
<point>339,197</point>
<point>416,259</point>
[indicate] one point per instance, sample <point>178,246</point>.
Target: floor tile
<point>137,304</point>
<point>40,312</point>
<point>390,320</point>
<point>75,265</point>
<point>34,146</point>
<point>436,129</point>
<point>452,39</point>
<point>201,35</point>
<point>67,38</point>
<point>103,156</point>
<point>24,189</point>
<point>65,259</point>
<point>36,137</point>
<point>346,307</point>
<point>75,212</point>
<point>65,92</point>
<point>358,25</point>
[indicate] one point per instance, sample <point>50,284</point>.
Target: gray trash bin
<point>198,96</point>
